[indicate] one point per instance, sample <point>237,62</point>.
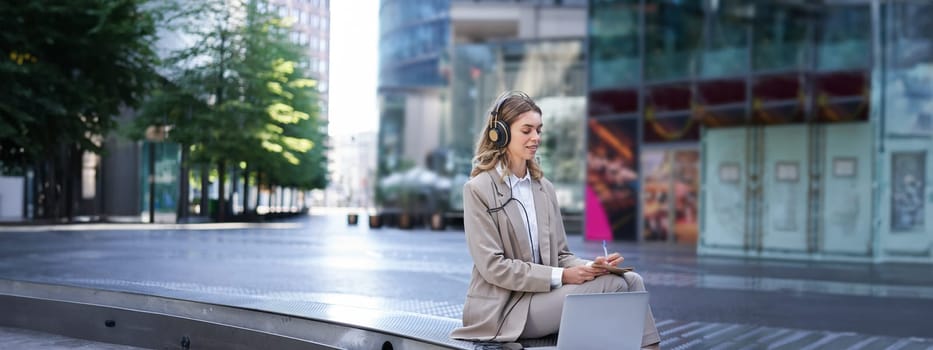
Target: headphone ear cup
<point>499,134</point>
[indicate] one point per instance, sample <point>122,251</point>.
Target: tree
<point>238,95</point>
<point>68,67</point>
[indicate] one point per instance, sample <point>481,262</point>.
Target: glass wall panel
<point>613,101</point>
<point>673,34</point>
<point>470,100</point>
<point>725,52</point>
<point>721,92</point>
<point>672,97</point>
<point>613,34</point>
<point>679,128</point>
<point>778,98</point>
<point>413,38</point>
<point>717,118</point>
<point>166,161</point>
<point>844,38</point>
<point>612,177</point>
<point>907,77</point>
<point>670,194</point>
<point>686,195</point>
<point>840,81</point>
<point>908,174</point>
<point>841,95</point>
<point>392,122</point>
<point>656,194</point>
<point>780,34</point>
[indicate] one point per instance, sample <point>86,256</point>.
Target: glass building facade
<point>414,37</point>
<point>553,72</point>
<point>413,41</point>
<point>442,63</point>
<point>796,107</point>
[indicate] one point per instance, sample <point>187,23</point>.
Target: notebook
<point>601,321</point>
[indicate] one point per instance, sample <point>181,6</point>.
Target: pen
<point>605,252</point>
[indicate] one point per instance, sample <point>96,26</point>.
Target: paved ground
<point>14,338</point>
<point>699,302</point>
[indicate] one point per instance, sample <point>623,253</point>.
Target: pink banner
<point>597,224</point>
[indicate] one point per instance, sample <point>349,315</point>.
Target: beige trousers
<point>544,314</point>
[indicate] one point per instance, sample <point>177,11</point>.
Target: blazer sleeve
<point>487,248</point>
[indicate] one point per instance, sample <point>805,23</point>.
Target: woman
<point>522,267</point>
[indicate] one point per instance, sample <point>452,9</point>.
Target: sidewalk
<point>699,302</point>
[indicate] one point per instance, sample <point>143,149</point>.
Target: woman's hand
<point>580,274</point>
<point>613,259</point>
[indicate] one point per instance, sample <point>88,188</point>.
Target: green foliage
<point>237,94</point>
<point>68,67</point>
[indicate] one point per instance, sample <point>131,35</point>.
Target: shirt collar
<point>514,180</point>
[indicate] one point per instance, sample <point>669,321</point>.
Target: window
<point>908,172</point>
<point>673,38</point>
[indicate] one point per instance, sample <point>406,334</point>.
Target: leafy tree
<point>68,67</point>
<point>237,95</point>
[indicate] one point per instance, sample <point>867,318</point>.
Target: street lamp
<point>154,133</point>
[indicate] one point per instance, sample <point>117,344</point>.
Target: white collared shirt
<point>522,191</point>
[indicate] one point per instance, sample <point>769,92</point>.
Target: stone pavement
<point>14,338</point>
<point>699,302</point>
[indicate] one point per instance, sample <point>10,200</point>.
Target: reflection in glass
<point>841,95</point>
<point>669,194</point>
<point>613,101</point>
<point>908,71</point>
<point>392,122</point>
<point>844,38</point>
<point>613,35</point>
<point>686,195</point>
<point>907,185</point>
<point>656,194</point>
<point>780,37</point>
<point>612,174</point>
<point>778,98</point>
<point>673,34</point>
<point>725,52</point>
<point>678,128</point>
<point>413,37</point>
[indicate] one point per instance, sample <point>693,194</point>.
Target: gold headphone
<point>498,131</point>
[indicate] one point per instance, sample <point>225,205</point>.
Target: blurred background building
<point>756,128</point>
<point>441,65</point>
<point>353,171</point>
<point>764,128</point>
<point>311,29</point>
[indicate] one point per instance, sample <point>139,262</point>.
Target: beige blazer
<point>504,276</point>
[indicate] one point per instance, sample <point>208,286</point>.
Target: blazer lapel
<point>542,212</point>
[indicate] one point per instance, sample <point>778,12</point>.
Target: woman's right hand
<point>581,274</point>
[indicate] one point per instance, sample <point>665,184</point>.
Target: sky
<point>354,30</point>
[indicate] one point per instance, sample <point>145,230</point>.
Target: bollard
<point>405,221</point>
<point>437,222</point>
<point>375,221</point>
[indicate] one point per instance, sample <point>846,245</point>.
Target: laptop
<point>601,321</point>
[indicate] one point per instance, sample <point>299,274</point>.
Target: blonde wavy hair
<point>510,105</point>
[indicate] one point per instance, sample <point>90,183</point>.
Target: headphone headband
<point>498,131</point>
